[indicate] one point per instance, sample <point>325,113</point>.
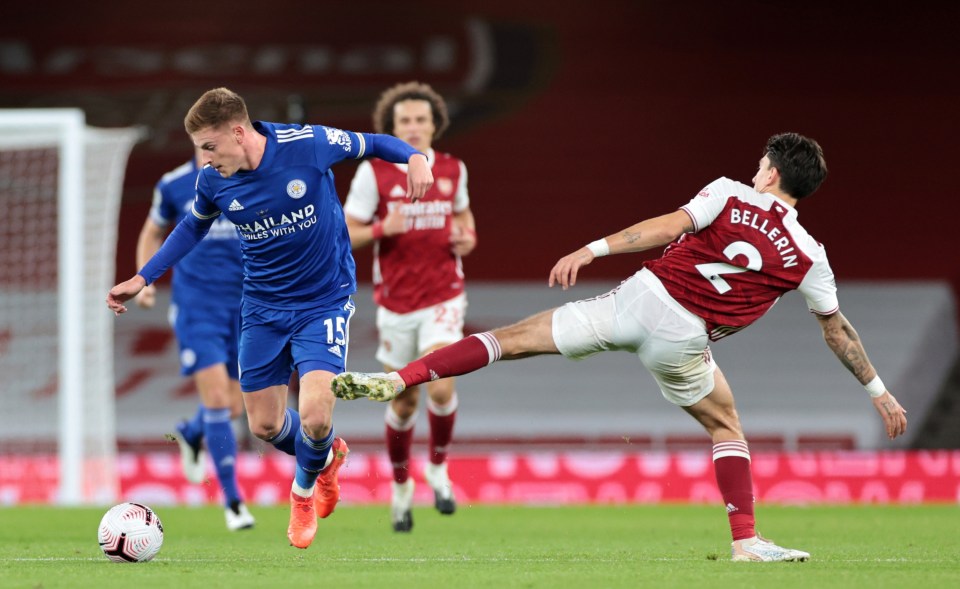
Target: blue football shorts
<point>208,334</point>
<point>274,342</point>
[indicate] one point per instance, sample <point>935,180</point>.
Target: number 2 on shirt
<point>714,270</point>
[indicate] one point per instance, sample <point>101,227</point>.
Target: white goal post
<point>60,188</point>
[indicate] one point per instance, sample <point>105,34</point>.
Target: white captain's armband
<point>875,387</point>
<point>599,248</point>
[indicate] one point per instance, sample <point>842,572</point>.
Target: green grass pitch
<point>498,547</point>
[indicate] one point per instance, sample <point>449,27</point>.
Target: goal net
<point>60,188</point>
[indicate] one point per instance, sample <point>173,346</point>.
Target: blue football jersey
<point>291,225</point>
<point>214,269</point>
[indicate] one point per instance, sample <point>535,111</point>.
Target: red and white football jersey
<point>746,251</point>
<point>416,269</point>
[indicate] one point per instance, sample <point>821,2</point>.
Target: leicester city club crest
<point>296,188</point>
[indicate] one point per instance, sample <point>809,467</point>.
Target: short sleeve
<point>461,200</point>
<point>161,212</point>
<point>364,196</point>
<point>709,202</point>
<point>819,286</point>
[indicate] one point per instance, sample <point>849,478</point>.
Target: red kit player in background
<point>418,278</point>
<point>733,251</point>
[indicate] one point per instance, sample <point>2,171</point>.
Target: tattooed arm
<point>644,235</point>
<point>651,233</point>
<point>842,338</point>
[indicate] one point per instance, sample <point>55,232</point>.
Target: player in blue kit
<point>205,315</point>
<point>273,181</point>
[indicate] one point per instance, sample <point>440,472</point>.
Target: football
<point>130,532</point>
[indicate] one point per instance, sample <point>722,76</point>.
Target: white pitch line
<point>481,560</point>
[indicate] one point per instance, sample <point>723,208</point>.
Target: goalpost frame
<point>69,126</point>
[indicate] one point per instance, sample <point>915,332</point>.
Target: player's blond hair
<point>216,107</point>
<point>383,112</point>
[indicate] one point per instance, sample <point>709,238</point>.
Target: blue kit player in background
<point>273,181</point>
<point>205,314</point>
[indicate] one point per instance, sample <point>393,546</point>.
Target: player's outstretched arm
<point>149,241</point>
<point>644,235</point>
<point>123,292</point>
<point>184,237</point>
<point>843,339</point>
<point>565,271</point>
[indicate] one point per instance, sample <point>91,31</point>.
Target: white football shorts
<point>641,317</point>
<point>404,337</point>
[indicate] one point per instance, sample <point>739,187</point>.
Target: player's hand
<point>419,177</point>
<point>147,297</point>
<point>565,270</point>
<point>894,416</point>
<point>394,223</point>
<point>462,239</point>
<point>123,292</point>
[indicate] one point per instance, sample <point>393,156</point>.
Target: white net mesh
<point>36,417</point>
<point>28,299</point>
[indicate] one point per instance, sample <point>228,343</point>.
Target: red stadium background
<point>543,477</point>
<point>575,120</point>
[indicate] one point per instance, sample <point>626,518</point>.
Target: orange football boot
<point>303,521</point>
<point>327,492</point>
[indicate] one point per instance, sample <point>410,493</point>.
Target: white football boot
<point>439,481</point>
<point>192,458</point>
<point>759,549</point>
<point>401,500</point>
<point>238,517</point>
<point>376,386</point>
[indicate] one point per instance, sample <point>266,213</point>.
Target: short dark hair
<point>383,112</point>
<point>800,162</point>
<point>216,107</point>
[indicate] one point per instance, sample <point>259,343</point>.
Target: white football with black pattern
<point>130,532</point>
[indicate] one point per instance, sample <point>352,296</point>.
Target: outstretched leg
<point>531,337</point>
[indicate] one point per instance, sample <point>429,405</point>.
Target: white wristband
<point>875,387</point>
<point>599,247</point>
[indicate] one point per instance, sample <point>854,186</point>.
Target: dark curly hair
<point>800,162</point>
<point>383,112</point>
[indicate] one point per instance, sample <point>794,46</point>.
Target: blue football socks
<point>285,441</point>
<point>222,446</point>
<point>311,458</point>
<point>192,429</point>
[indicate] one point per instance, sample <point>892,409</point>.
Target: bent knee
<point>317,424</point>
<point>263,430</point>
<point>724,426</point>
<point>718,419</point>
